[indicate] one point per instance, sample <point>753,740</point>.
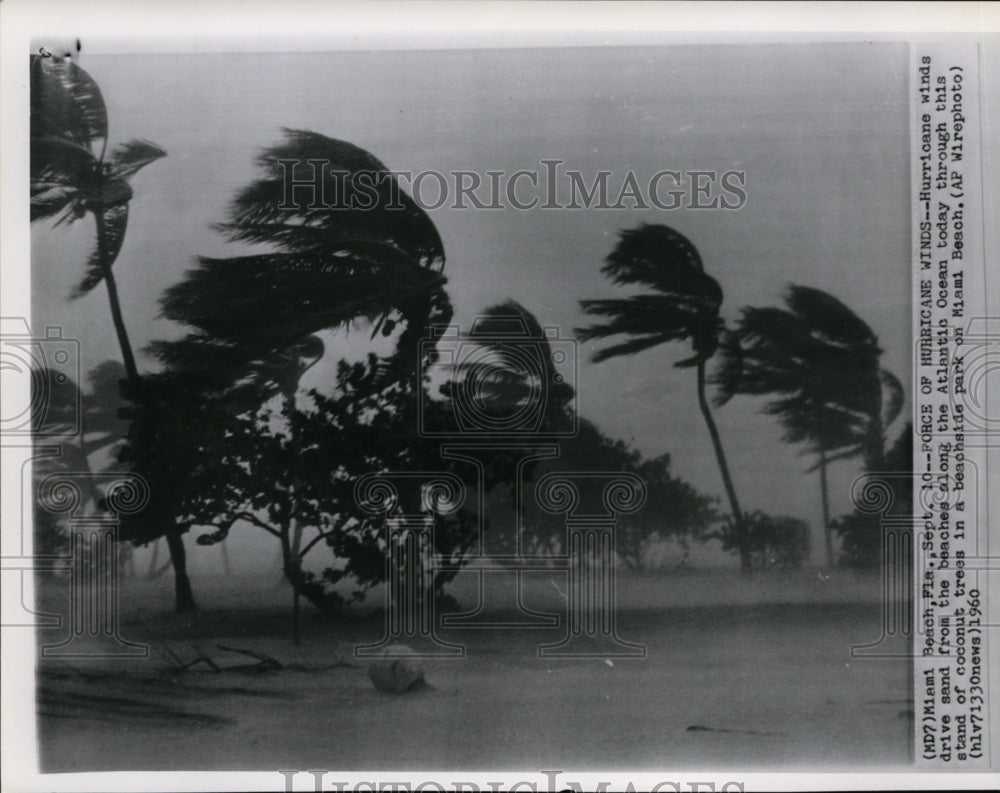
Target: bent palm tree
<point>683,305</point>
<point>823,362</point>
<point>368,253</point>
<point>69,123</point>
<point>511,375</point>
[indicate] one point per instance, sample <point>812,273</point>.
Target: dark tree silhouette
<point>822,362</point>
<point>357,250</point>
<point>682,304</point>
<point>72,175</point>
<point>69,124</point>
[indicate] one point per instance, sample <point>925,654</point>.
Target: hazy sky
<point>820,130</point>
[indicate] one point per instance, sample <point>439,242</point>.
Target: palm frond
<point>60,162</point>
<point>659,257</point>
<point>348,190</point>
<point>728,373</point>
<point>129,158</point>
<point>50,202</point>
<point>290,295</point>
<point>114,222</point>
<point>66,103</point>
<point>829,317</point>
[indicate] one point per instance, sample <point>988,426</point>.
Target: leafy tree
<point>60,421</point>
<point>774,541</point>
<point>682,304</point>
<point>823,363</point>
<point>293,475</point>
<point>673,509</point>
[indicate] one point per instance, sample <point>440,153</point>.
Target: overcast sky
<point>820,130</point>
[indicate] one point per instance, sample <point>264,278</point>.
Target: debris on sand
<point>702,728</point>
<point>395,672</point>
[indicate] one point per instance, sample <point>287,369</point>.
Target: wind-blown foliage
<point>673,510</point>
<point>821,362</point>
<point>508,370</point>
<point>681,303</point>
<point>366,252</point>
<point>356,249</point>
<point>71,176</point>
<point>861,533</point>
<point>299,469</point>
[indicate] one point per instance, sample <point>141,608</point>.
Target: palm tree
<point>511,375</point>
<point>682,305</point>
<point>69,124</point>
<point>349,260</point>
<point>823,362</point>
<point>72,175</point>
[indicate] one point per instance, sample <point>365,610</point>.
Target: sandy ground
<point>737,674</point>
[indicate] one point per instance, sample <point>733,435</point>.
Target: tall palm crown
<point>682,305</point>
<point>822,362</point>
<point>513,372</point>
<point>357,248</point>
<point>71,172</point>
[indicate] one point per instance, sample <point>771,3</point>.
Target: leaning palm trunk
<point>825,494</point>
<point>116,310</point>
<point>69,124</point>
<point>746,561</point>
<point>183,596</point>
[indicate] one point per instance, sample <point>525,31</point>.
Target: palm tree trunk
<point>116,310</point>
<point>746,564</point>
<point>184,598</point>
<point>825,493</point>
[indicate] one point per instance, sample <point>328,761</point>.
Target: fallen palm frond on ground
<point>262,661</point>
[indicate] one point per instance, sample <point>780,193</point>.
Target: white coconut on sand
<point>398,670</point>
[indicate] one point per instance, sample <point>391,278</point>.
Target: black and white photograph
<point>530,408</point>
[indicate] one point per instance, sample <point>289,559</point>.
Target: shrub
<point>773,540</point>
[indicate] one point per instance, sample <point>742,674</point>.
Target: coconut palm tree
<point>823,363</point>
<point>511,373</point>
<point>682,304</point>
<point>367,253</point>
<point>72,174</point>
